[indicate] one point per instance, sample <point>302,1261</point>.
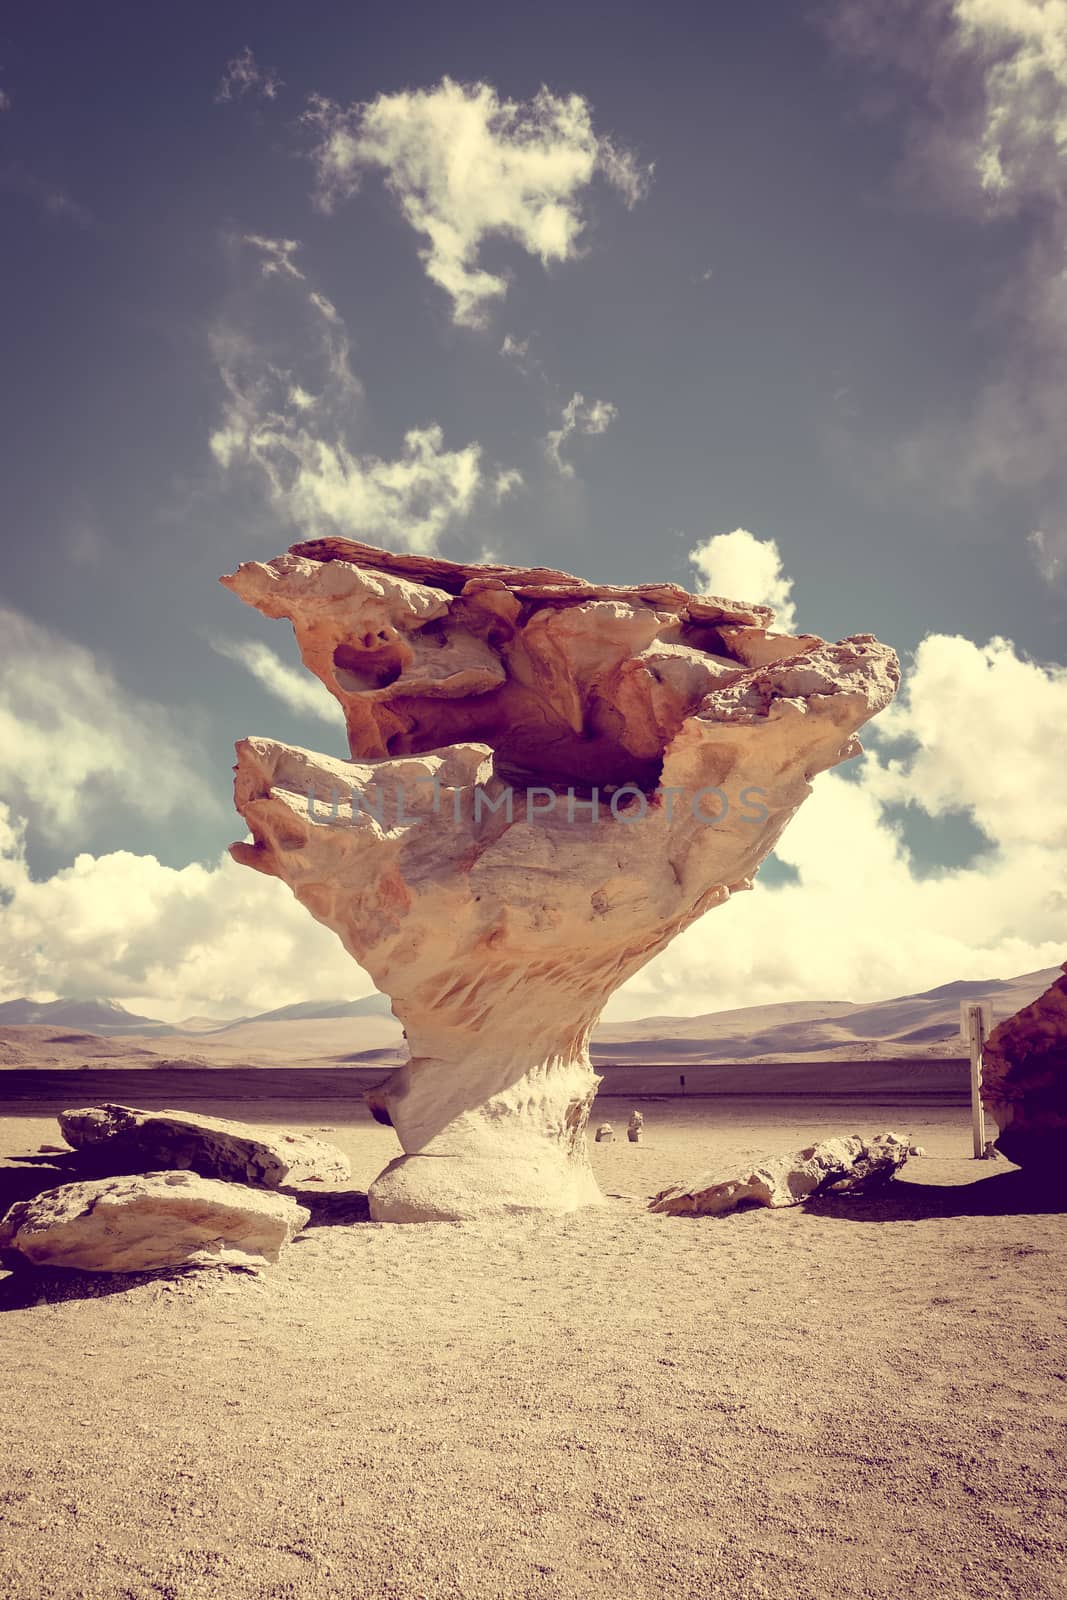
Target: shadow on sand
<point>1004,1194</point>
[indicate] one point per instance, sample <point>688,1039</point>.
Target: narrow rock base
<point>421,1188</point>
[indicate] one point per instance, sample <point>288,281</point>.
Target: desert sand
<point>862,1398</point>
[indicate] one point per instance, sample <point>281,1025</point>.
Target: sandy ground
<point>866,1398</point>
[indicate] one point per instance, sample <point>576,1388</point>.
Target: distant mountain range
<point>915,1024</point>
<point>365,1033</point>
<point>108,1018</point>
<point>105,1017</point>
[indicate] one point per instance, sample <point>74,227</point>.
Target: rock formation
<point>1024,1084</point>
<point>138,1224</point>
<point>844,1165</point>
<point>549,780</point>
<point>635,1126</point>
<point>120,1139</point>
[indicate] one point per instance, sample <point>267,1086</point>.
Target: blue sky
<point>794,272</point>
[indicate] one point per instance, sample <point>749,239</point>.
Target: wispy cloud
<point>578,417</point>
<point>986,105</point>
<point>51,198</point>
<point>466,166</point>
<point>294,687</point>
<point>75,743</point>
<point>277,255</point>
<point>243,75</point>
<point>294,428</point>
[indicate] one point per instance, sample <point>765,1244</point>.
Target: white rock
<point>161,1219</point>
<point>605,1133</point>
<point>499,936</point>
<point>852,1163</point>
<point>212,1146</point>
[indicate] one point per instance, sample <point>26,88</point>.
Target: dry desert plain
<point>860,1398</point>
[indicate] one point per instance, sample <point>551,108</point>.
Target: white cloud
<point>243,75</point>
<point>863,921</point>
<point>277,255</point>
<point>293,686</point>
<point>168,941</point>
<point>466,166</point>
<point>74,744</point>
<point>978,720</point>
<point>516,350</point>
<point>294,433</point>
<point>1049,552</point>
<point>738,566</point>
<point>578,416</point>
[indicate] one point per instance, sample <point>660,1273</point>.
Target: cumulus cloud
<point>74,743</point>
<point>578,416</point>
<point>293,430</point>
<point>465,166</point>
<point>243,75</point>
<point>277,255</point>
<point>864,919</point>
<point>294,687</point>
<point>739,566</point>
<point>169,941</point>
<point>986,102</point>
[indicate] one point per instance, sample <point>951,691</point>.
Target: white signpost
<point>976,1023</point>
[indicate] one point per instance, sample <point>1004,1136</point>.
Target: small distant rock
<point>117,1139</point>
<point>53,1149</point>
<point>916,1150</point>
<point>605,1133</point>
<point>634,1127</point>
<point>139,1224</point>
<point>846,1165</point>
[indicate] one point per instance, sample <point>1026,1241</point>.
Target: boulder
<point>847,1164</point>
<point>549,780</point>
<point>116,1139</point>
<point>634,1127</point>
<point>605,1133</point>
<point>1024,1084</point>
<point>141,1223</point>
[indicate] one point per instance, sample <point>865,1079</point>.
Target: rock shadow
<point>27,1286</point>
<point>1003,1194</point>
<point>330,1208</point>
<point>31,1177</point>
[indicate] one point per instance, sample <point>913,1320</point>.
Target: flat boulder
<point>118,1139</point>
<point>849,1164</point>
<point>142,1223</point>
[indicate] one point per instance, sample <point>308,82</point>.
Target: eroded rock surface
<point>123,1139</point>
<point>845,1165</point>
<point>549,780</point>
<point>140,1223</point>
<point>1024,1084</point>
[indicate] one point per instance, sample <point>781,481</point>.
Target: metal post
<point>976,1021</point>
